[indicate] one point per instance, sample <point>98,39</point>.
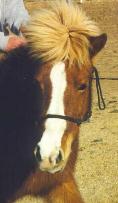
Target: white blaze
<point>54,127</point>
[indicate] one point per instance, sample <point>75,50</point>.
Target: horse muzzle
<point>52,164</point>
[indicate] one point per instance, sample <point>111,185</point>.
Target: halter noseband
<point>78,121</point>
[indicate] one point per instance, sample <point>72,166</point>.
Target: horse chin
<point>57,169</point>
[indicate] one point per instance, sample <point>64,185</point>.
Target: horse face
<point>66,89</point>
<point>65,92</point>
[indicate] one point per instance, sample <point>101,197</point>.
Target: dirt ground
<point>97,167</point>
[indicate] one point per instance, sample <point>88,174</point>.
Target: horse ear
<point>97,43</point>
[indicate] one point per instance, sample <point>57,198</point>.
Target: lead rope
<point>101,102</point>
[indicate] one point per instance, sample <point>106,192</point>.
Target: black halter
<point>77,121</point>
<point>86,117</point>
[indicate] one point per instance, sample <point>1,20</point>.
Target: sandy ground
<point>97,166</point>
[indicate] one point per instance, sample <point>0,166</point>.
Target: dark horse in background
<point>20,107</point>
<point>45,89</point>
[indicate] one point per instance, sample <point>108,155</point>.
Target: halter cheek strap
<point>86,117</point>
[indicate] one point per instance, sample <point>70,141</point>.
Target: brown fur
<point>62,32</point>
<point>61,187</point>
<point>58,187</point>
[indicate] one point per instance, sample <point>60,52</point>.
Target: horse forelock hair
<point>61,32</point>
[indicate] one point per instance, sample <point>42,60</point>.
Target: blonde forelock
<point>60,32</point>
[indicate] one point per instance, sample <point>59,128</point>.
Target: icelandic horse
<point>47,95</point>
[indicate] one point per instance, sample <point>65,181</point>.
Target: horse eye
<point>82,86</point>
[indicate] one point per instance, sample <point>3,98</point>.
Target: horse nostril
<point>37,153</point>
<point>59,157</point>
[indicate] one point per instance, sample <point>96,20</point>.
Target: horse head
<point>66,41</point>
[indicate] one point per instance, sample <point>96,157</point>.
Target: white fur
<point>54,128</point>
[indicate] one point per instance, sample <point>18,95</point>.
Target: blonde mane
<point>60,32</point>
